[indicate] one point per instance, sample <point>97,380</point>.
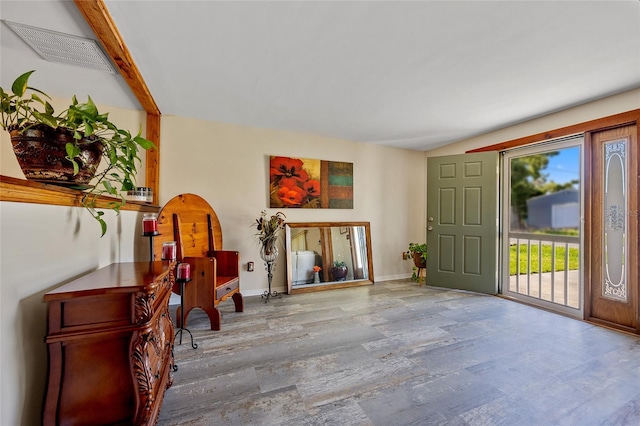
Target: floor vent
<point>64,48</point>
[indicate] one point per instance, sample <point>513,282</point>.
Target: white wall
<point>43,247</point>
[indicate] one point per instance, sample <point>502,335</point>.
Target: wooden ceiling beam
<point>97,15</point>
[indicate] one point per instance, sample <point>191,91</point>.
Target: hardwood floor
<point>398,354</point>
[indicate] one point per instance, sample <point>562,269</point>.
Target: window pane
<point>545,192</point>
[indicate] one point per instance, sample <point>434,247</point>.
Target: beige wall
<point>42,247</point>
<point>623,102</point>
<point>228,166</point>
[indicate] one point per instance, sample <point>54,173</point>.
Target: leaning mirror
<point>327,255</point>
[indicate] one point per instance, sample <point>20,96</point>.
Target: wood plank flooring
<point>398,354</point>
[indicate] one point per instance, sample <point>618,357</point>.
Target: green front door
<point>462,222</point>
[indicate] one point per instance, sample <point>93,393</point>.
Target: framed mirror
<point>328,255</point>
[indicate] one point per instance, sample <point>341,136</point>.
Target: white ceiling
<point>415,74</point>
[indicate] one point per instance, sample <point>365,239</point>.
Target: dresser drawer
<point>226,288</point>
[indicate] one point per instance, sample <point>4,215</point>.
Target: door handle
<point>429,228</point>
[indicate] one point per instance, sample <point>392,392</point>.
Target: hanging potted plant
<point>67,148</point>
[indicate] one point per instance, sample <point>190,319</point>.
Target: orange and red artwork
<point>309,183</point>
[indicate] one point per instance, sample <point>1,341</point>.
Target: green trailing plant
<point>18,109</point>
<point>421,251</point>
<point>28,107</point>
<point>120,152</point>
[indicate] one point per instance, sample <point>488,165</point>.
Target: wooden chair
<point>190,221</point>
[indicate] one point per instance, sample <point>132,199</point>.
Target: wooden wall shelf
<point>24,191</point>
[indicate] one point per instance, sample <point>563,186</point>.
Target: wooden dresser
<point>110,342</point>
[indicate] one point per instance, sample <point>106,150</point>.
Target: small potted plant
<point>339,270</point>
<point>67,147</point>
<point>418,253</point>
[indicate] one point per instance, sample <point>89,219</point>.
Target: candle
<point>169,250</point>
<point>183,271</point>
<point>150,224</point>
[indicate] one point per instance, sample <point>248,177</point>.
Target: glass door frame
<point>505,221</point>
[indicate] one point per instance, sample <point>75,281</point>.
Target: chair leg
<point>214,318</point>
<point>239,302</point>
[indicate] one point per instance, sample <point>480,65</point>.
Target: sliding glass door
<point>542,225</point>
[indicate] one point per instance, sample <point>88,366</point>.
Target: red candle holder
<point>183,272</point>
<point>150,224</point>
<point>169,250</point>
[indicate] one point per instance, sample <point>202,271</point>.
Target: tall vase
<point>269,254</point>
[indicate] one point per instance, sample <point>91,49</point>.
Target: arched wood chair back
<point>198,231</point>
<point>190,221</point>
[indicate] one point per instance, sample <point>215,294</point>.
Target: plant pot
<point>339,273</point>
<point>41,152</point>
<point>419,261</point>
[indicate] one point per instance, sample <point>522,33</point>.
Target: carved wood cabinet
<point>110,343</point>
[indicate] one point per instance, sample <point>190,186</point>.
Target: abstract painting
<point>309,183</point>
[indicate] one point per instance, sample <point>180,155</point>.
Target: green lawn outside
<point>565,231</point>
<point>574,262</point>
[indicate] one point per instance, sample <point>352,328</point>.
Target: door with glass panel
<point>542,225</point>
<point>613,229</point>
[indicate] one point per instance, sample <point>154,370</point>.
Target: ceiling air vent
<point>64,48</point>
